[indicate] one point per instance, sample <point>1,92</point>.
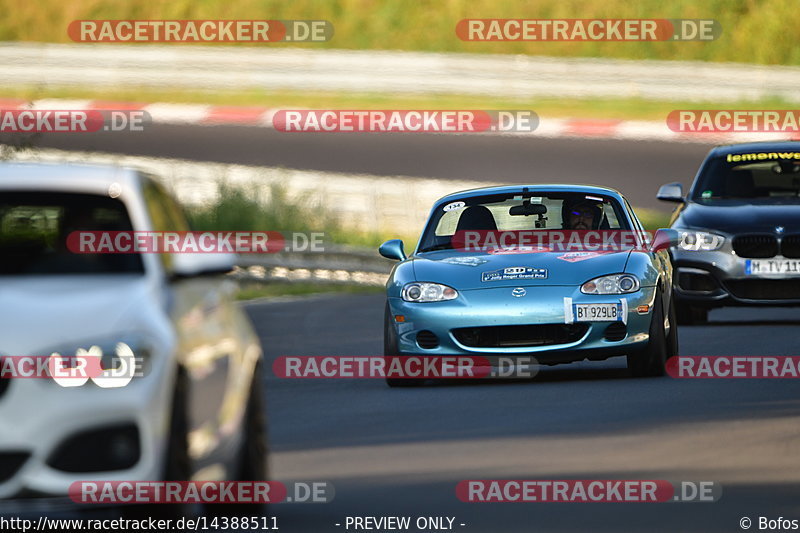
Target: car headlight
<point>613,284</point>
<point>428,292</point>
<point>700,241</point>
<point>120,358</point>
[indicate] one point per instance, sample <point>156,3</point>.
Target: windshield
<point>34,227</point>
<point>515,212</point>
<point>750,175</point>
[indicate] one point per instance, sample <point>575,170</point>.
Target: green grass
<point>271,290</point>
<point>652,219</point>
<point>238,209</point>
<point>753,31</point>
<point>270,209</point>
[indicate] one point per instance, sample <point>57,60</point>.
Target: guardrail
<point>337,264</point>
<point>220,67</point>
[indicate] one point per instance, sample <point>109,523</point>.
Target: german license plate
<point>597,312</point>
<point>772,267</point>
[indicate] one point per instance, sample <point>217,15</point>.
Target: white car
<point>197,412</point>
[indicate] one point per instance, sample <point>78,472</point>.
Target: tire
<point>390,349</point>
<point>672,337</point>
<point>690,315</point>
<point>252,459</point>
<point>254,454</point>
<point>651,360</point>
<point>177,463</point>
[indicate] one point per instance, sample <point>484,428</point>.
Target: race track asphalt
<point>400,452</point>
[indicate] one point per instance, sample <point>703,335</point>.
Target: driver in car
<point>581,215</point>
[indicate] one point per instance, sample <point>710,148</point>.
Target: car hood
<point>733,216</point>
<point>466,271</point>
<point>46,312</point>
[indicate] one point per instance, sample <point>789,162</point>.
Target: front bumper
<point>496,306</point>
<point>719,278</point>
<point>37,416</point>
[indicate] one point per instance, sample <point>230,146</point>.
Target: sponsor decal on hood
<point>514,273</point>
<point>573,257</point>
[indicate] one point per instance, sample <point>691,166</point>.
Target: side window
<point>164,214</point>
<point>155,209</point>
<point>637,225</point>
<point>174,212</point>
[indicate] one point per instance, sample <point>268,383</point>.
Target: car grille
<point>10,463</point>
<point>790,246</point>
<point>98,450</point>
<point>517,336</point>
<point>755,246</point>
<point>764,289</point>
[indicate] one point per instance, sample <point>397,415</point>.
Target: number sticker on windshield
<point>453,205</point>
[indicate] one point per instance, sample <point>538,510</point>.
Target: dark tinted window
<point>34,227</point>
<point>750,175</point>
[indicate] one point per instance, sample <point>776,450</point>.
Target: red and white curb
<point>209,115</point>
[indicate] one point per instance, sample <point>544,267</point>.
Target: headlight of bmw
<point>613,284</point>
<point>420,292</point>
<point>700,241</point>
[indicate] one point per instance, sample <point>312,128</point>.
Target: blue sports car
<point>557,273</point>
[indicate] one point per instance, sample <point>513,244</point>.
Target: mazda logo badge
<point>519,292</point>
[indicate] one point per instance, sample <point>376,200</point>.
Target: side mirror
<point>393,249</point>
<point>671,192</point>
<point>202,264</point>
<point>665,238</point>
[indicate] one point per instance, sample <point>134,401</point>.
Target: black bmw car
<point>740,230</point>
